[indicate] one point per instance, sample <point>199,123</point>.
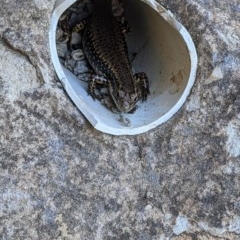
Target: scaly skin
<point>106,50</point>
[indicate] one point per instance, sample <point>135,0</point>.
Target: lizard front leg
<point>98,88</point>
<point>142,83</point>
<point>96,83</point>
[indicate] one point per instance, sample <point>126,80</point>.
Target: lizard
<point>105,48</point>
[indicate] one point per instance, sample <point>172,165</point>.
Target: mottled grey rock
<point>62,179</point>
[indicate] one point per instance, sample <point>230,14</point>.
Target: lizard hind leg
<point>142,85</point>
<point>80,26</point>
<point>125,28</point>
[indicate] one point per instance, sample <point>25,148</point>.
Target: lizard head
<point>125,101</point>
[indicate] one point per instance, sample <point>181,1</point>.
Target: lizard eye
<point>134,97</point>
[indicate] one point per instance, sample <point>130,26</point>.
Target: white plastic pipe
<point>165,52</point>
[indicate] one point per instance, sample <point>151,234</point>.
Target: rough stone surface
<point>62,179</point>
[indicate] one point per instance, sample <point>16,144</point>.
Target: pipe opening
<point>158,45</point>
